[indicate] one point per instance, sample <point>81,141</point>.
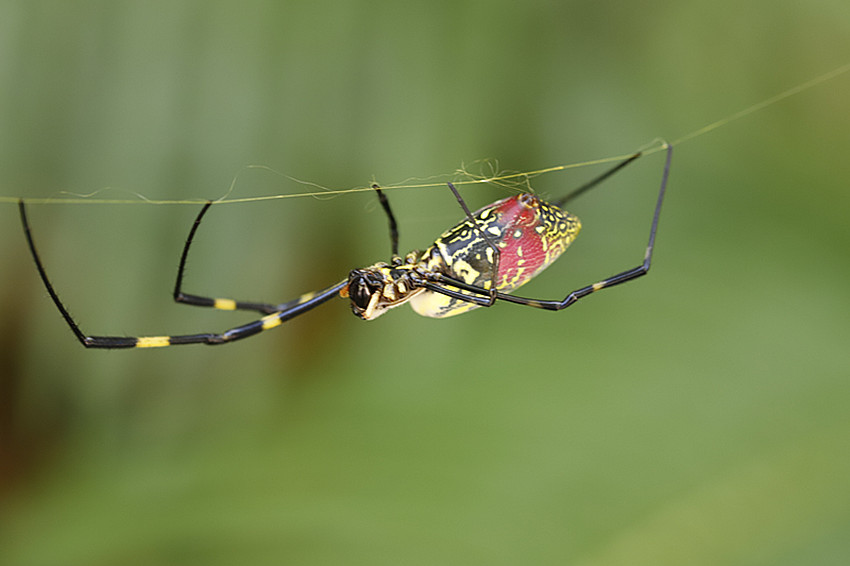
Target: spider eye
<point>361,289</point>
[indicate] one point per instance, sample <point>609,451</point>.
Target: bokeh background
<point>696,416</point>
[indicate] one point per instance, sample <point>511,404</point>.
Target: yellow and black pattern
<point>476,263</point>
<point>526,233</point>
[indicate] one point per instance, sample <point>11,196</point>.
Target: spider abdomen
<point>529,233</point>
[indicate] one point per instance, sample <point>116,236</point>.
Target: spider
<point>476,263</point>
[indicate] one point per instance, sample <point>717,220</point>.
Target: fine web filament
<point>506,179</point>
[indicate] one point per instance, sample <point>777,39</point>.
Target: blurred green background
<point>696,416</point>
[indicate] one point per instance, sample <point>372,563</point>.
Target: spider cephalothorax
<point>375,289</point>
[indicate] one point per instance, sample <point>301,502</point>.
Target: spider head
<point>365,287</point>
<point>375,289</point>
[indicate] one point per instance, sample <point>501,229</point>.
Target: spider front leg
<point>279,314</point>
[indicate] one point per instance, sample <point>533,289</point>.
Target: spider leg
<point>482,296</point>
<point>595,181</point>
<point>385,203</point>
<point>492,293</point>
<point>439,280</point>
<point>268,322</point>
<point>497,253</point>
<point>216,303</point>
<point>273,319</point>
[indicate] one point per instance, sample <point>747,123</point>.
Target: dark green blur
<point>696,416</point>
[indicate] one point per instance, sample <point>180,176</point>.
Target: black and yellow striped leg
<point>268,322</point>
<point>216,303</point>
<point>279,314</point>
<point>442,283</point>
<point>221,303</point>
<point>273,320</point>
